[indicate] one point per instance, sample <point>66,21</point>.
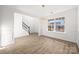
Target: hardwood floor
<point>34,44</point>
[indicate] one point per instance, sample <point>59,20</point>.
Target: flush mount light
<point>43,6</point>
<point>51,12</point>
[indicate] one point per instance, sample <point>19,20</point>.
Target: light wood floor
<point>34,44</point>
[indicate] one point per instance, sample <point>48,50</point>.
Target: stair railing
<point>25,27</point>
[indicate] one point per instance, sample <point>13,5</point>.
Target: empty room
<point>39,29</point>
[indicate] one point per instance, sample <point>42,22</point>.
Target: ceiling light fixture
<point>51,12</point>
<point>43,6</point>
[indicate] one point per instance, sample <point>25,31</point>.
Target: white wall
<point>41,22</point>
<point>6,25</point>
<point>0,24</point>
<point>36,25</point>
<point>78,26</point>
<point>70,25</point>
<point>18,30</point>
<point>0,32</point>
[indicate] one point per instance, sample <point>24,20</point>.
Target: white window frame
<point>56,30</point>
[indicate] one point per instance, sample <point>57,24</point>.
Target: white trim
<point>56,31</point>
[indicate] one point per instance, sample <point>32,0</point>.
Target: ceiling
<point>39,11</point>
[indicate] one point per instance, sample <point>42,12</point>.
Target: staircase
<point>26,27</point>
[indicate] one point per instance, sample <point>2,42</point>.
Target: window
<point>56,24</point>
<point>51,25</point>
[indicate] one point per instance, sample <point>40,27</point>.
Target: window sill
<point>56,32</point>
